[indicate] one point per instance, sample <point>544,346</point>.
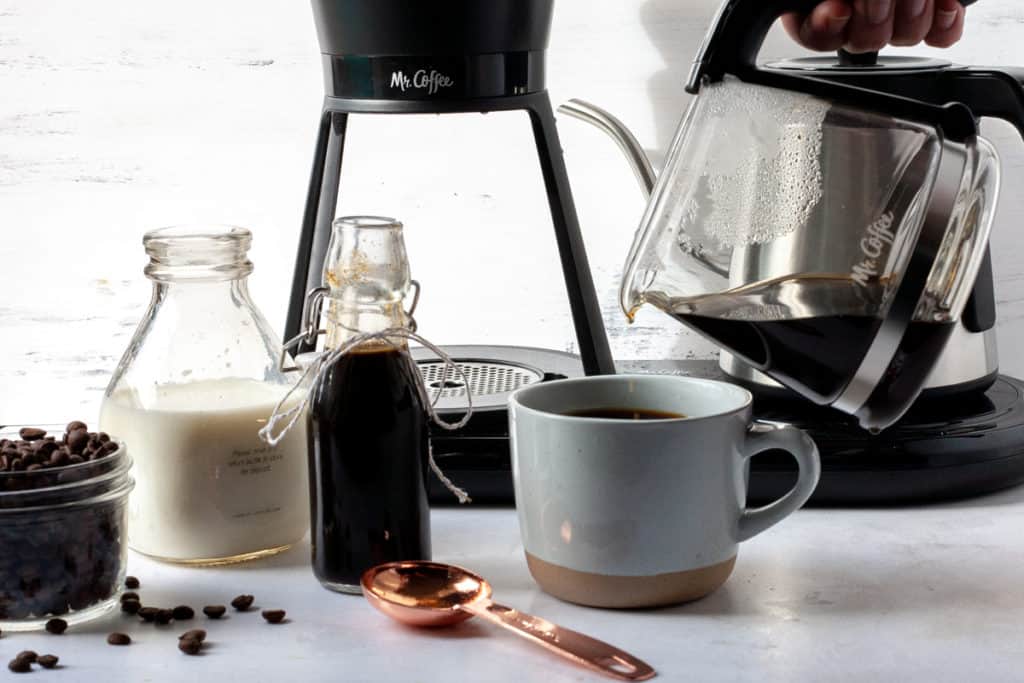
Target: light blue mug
<point>639,513</point>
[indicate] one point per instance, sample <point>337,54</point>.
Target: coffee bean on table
<point>242,602</point>
<point>148,613</point>
<point>28,655</point>
<point>119,639</point>
<point>195,634</point>
<point>215,611</point>
<point>56,626</point>
<point>129,595</point>
<point>131,582</point>
<point>274,616</point>
<point>164,616</point>
<point>131,606</point>
<point>19,666</point>
<point>183,612</point>
<point>48,661</point>
<point>190,646</point>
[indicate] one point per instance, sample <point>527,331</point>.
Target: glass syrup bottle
<point>368,430</point>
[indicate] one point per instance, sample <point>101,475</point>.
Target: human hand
<point>869,25</point>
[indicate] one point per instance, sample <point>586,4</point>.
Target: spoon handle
<point>590,652</point>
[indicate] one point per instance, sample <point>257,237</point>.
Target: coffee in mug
<point>631,490</point>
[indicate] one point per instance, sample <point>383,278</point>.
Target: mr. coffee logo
<point>431,81</point>
<point>875,245</point>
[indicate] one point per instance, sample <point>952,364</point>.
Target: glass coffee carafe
<point>830,246</point>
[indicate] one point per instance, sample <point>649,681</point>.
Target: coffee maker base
<point>945,448</point>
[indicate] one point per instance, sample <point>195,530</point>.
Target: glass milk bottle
<point>198,380</point>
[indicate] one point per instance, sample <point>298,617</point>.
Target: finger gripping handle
<point>738,32</point>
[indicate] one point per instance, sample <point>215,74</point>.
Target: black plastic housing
<point>431,27</point>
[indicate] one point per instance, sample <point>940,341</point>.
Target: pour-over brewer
<point>399,57</point>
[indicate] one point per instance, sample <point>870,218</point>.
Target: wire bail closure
<point>313,374</point>
<point>311,323</point>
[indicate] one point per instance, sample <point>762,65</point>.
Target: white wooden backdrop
<point>118,116</point>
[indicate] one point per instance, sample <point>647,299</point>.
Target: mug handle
<point>763,436</point>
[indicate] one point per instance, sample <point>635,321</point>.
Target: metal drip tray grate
<point>490,381</point>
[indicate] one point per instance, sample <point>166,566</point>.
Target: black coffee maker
<point>400,57</point>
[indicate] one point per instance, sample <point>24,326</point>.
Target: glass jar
<point>62,540</point>
<point>198,380</point>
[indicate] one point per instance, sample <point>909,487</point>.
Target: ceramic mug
<point>639,513</point>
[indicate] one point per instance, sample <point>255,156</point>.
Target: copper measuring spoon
<point>435,594</point>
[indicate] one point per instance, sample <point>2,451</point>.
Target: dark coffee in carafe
<point>773,327</point>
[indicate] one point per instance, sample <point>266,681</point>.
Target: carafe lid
<point>839,65</point>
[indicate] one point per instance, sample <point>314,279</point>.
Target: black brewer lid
<point>431,27</point>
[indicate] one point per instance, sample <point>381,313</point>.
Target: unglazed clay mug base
<point>642,513</point>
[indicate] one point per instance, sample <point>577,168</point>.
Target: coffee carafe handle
<point>737,34</point>
<point>994,92</point>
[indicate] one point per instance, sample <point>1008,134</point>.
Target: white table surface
<point>932,594</point>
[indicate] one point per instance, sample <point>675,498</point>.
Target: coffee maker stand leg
<point>321,203</point>
<point>586,312</point>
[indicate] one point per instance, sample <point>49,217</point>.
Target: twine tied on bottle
<point>318,369</point>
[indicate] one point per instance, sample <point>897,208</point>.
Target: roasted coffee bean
<point>77,440</point>
<point>190,646</point>
<point>215,611</point>
<point>119,639</point>
<point>31,433</point>
<point>46,448</point>
<point>48,661</point>
<point>33,467</point>
<point>60,458</point>
<point>274,616</point>
<point>195,634</point>
<point>67,559</point>
<point>56,626</point>
<point>183,612</point>
<point>19,666</point>
<point>103,436</point>
<point>131,582</point>
<point>164,616</point>
<point>129,595</point>
<point>75,425</point>
<point>75,459</point>
<point>242,602</point>
<point>28,655</point>
<point>131,606</point>
<point>148,613</point>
